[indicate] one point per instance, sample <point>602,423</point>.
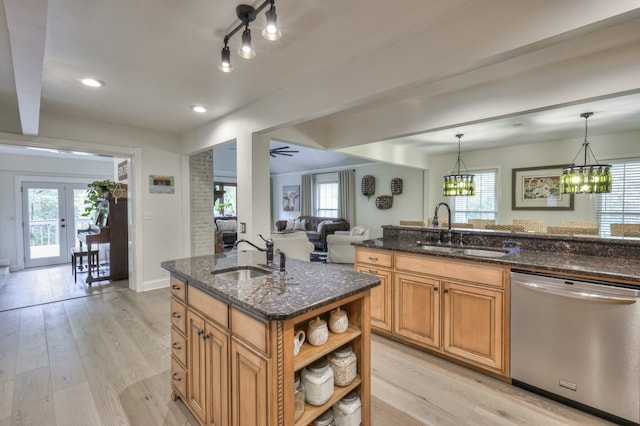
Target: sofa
<point>339,248</point>
<point>227,226</point>
<point>317,228</point>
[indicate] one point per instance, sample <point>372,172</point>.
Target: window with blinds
<point>483,204</point>
<point>622,204</point>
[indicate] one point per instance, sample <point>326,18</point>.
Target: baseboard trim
<point>155,284</point>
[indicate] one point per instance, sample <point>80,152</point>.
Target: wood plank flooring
<point>104,359</point>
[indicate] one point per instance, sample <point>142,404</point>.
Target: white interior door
<point>50,220</point>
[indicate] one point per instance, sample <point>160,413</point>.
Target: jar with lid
<point>344,364</point>
<point>338,321</point>
<point>298,395</point>
<point>325,419</point>
<point>348,411</point>
<point>317,379</point>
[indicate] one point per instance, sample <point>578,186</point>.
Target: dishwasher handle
<point>579,295</point>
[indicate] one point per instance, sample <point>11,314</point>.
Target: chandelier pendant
<point>457,183</point>
<point>588,178</point>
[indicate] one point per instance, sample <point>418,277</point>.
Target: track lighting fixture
<point>247,14</point>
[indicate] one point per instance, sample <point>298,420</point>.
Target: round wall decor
<point>384,202</point>
<point>396,186</point>
<point>368,185</point>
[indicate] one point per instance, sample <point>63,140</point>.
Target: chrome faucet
<point>268,249</point>
<point>435,218</point>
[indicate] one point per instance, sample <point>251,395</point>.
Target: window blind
<point>483,204</point>
<point>622,204</point>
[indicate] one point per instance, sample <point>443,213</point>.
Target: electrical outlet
<point>146,215</point>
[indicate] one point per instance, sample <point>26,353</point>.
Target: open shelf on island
<point>339,392</point>
<point>309,353</point>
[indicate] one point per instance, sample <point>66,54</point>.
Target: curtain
<point>306,196</point>
<point>347,201</point>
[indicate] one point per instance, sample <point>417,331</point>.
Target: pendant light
<point>459,184</point>
<point>588,178</point>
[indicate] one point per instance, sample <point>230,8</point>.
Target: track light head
<point>271,31</point>
<point>245,50</point>
<point>225,60</point>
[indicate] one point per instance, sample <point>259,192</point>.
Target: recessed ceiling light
<point>199,108</point>
<point>92,82</point>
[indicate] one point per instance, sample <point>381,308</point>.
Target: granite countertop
<point>606,268</point>
<point>305,287</point>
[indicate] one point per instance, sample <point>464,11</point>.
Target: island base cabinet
<point>207,395</point>
<point>380,297</point>
<point>249,386</point>
<point>473,324</point>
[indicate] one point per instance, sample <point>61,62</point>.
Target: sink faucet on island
<point>435,219</point>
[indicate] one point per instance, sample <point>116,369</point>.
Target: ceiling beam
<point>26,21</point>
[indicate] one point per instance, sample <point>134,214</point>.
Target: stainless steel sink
<point>440,249</point>
<point>483,252</point>
<point>241,273</point>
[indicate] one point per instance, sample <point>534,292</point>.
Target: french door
<point>51,219</point>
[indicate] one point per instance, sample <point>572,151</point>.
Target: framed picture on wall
<point>538,188</point>
<point>291,198</point>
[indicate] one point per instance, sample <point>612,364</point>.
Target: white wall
<point>408,205</point>
<point>15,165</point>
<point>608,147</point>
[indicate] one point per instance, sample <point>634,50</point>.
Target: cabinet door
<point>197,365</point>
<point>249,387</point>
<point>417,309</point>
<point>380,297</point>
<point>473,325</point>
<point>216,343</point>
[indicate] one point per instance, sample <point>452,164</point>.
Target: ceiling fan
<point>283,150</point>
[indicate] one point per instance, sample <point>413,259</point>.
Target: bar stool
<point>78,253</point>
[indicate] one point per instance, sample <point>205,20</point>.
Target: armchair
<point>339,248</point>
<point>295,245</point>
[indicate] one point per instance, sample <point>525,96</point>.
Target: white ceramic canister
<point>325,419</point>
<point>317,379</point>
<point>338,321</point>
<point>298,398</point>
<point>344,364</point>
<point>318,333</point>
<point>348,411</point>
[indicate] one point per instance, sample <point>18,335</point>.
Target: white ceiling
<point>159,57</point>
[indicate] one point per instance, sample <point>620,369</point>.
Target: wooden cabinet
<point>473,323</point>
<point>417,309</point>
<point>231,368</point>
<point>378,263</point>
<point>457,308</point>
<point>178,338</point>
<point>207,394</point>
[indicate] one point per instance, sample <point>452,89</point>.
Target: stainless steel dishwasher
<point>577,342</point>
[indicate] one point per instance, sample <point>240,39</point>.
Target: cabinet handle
<point>176,287</point>
<point>446,290</point>
<point>373,271</point>
<point>200,332</point>
<point>373,259</point>
<point>176,377</point>
<point>206,336</point>
<point>436,289</point>
<point>175,315</point>
<point>176,346</point>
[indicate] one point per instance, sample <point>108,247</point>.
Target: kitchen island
<point>232,337</point>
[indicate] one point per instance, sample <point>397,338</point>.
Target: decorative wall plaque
<point>396,186</point>
<point>368,185</point>
<point>384,202</point>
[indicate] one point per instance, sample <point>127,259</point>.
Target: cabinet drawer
<point>471,272</point>
<point>178,288</point>
<point>209,306</point>
<point>178,346</point>
<point>179,316</point>
<point>251,330</point>
<point>372,257</point>
<point>179,378</point>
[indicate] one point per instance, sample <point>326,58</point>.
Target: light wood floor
<point>104,359</point>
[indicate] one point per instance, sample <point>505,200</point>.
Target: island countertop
<point>606,268</point>
<point>277,296</point>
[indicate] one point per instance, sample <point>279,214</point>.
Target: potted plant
<point>219,207</point>
<point>97,190</point>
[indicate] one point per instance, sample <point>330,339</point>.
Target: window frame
<point>477,214</point>
<point>622,182</point>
